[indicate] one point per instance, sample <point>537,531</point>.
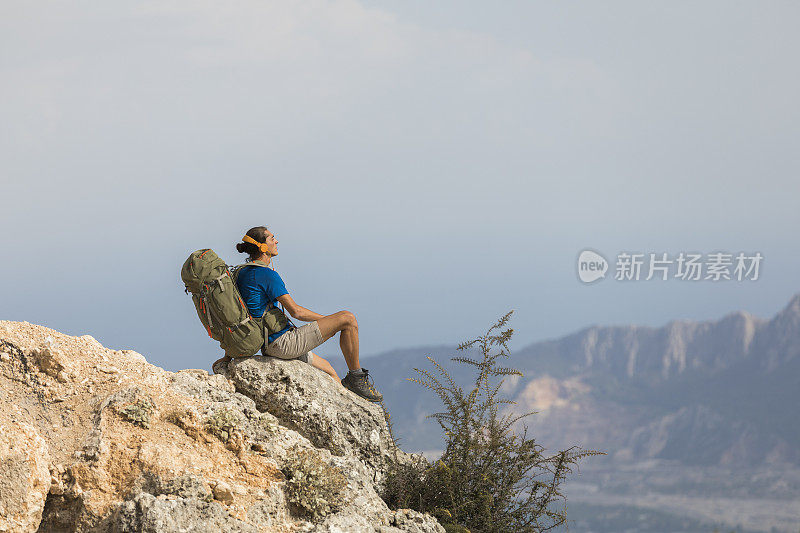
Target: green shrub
<point>312,485</point>
<point>490,479</point>
<point>455,528</point>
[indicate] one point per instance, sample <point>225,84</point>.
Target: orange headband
<point>261,245</point>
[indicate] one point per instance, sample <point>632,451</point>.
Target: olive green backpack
<point>221,309</point>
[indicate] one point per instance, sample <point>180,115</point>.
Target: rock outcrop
<point>93,439</point>
<point>345,424</point>
<point>24,474</point>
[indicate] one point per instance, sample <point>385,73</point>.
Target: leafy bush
<point>490,478</point>
<point>312,485</point>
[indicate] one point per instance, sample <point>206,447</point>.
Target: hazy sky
<point>427,165</point>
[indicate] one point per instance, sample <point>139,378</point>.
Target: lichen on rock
<point>313,485</point>
<point>138,413</point>
<point>225,425</point>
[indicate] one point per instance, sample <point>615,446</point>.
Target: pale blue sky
<point>425,165</point>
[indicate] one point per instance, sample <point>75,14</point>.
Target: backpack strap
<point>256,263</point>
<point>235,270</point>
<point>270,305</point>
<point>238,269</point>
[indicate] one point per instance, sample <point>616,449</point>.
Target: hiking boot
<point>220,366</point>
<point>362,385</point>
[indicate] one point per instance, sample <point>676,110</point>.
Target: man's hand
<point>298,311</point>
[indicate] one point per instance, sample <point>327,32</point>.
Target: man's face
<point>272,242</point>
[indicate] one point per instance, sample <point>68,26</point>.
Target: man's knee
<point>349,320</point>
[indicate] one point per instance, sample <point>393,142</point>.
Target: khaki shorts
<point>296,343</point>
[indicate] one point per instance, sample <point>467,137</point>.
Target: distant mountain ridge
<point>660,353</point>
<point>714,392</point>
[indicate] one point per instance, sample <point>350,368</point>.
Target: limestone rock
<point>223,492</point>
<point>413,521</point>
<point>117,444</point>
<point>52,361</point>
<point>150,514</point>
<point>308,401</point>
<point>24,476</point>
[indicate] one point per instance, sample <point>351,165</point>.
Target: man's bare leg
<point>325,366</point>
<point>357,379</point>
<point>343,321</point>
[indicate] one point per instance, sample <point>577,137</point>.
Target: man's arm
<point>298,311</point>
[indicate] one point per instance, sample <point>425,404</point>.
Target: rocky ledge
<point>97,440</point>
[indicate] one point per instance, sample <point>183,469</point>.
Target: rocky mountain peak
<point>789,316</point>
<point>679,348</point>
<point>779,341</point>
<point>794,305</point>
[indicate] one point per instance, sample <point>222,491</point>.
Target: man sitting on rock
<point>261,287</point>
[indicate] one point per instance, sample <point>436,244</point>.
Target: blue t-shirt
<point>259,287</point>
